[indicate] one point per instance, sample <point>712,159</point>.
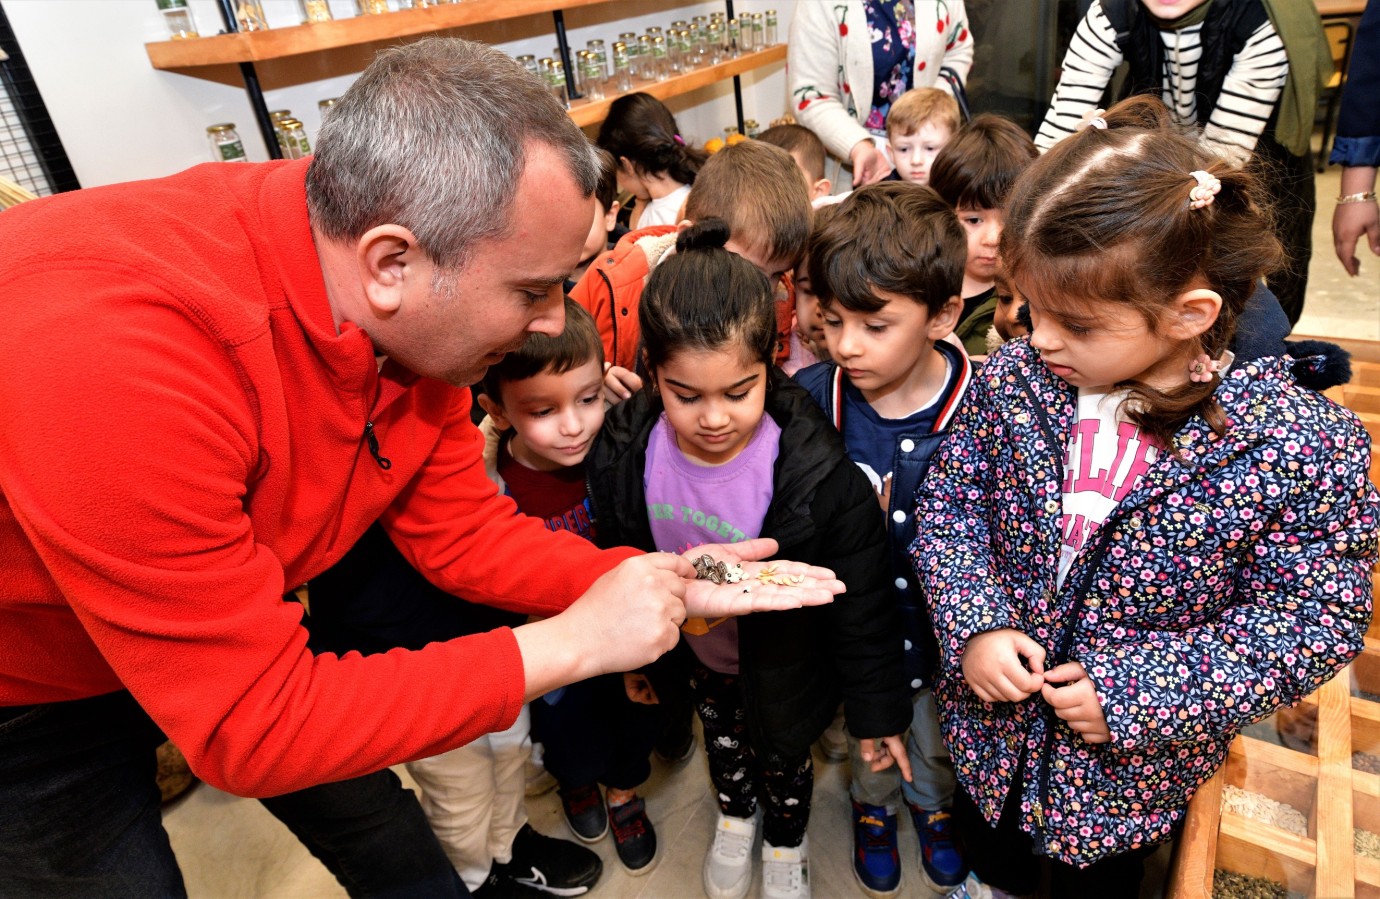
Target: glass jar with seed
<point>178,18</point>
<point>770,34</point>
<point>660,64</point>
<point>751,128</point>
<point>592,84</point>
<point>314,11</point>
<point>529,62</point>
<point>556,83</point>
<point>714,41</point>
<point>646,64</point>
<point>324,107</point>
<point>674,60</point>
<point>249,15</point>
<point>734,40</point>
<point>371,7</point>
<point>295,135</point>
<point>597,47</point>
<point>277,117</point>
<point>226,145</point>
<point>622,68</point>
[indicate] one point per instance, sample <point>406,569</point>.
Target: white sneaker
<point>728,863</point>
<point>786,871</point>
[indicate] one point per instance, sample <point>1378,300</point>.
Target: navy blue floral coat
<point>1217,591</point>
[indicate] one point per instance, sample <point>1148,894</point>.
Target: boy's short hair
<point>607,188</point>
<point>576,345</point>
<point>803,145</point>
<point>757,189</point>
<point>976,169</point>
<point>893,236</point>
<point>920,105</point>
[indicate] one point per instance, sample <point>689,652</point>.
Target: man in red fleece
<point>210,385</point>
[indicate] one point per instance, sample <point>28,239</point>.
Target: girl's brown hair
<point>1105,216</point>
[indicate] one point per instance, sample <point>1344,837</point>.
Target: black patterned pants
<point>743,779</point>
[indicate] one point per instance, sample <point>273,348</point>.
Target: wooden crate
<point>1315,776</point>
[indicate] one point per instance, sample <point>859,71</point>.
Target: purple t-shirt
<point>689,505</point>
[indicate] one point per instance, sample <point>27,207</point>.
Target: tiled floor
<point>231,847</point>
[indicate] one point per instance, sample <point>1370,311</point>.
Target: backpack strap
<point>1119,15</point>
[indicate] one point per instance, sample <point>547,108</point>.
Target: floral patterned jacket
<point>1219,590</point>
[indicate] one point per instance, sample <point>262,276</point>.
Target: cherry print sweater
<point>184,441</point>
<point>1217,591</point>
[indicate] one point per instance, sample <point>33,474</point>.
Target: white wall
<point>120,119</point>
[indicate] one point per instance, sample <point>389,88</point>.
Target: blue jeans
<point>79,806</point>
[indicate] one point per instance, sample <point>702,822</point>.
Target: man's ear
<point>495,411</point>
<point>943,322</point>
<point>1191,313</point>
<point>388,256</point>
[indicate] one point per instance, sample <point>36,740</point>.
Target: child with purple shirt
<point>721,447</point>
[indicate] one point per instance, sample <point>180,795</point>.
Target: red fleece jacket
<point>182,442</point>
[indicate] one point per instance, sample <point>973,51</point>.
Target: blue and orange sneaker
<point>876,858</point>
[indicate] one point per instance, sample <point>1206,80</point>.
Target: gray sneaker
<point>786,871</point>
<point>728,863</point>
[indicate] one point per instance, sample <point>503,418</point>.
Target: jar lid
<point>222,127</point>
<point>172,4</point>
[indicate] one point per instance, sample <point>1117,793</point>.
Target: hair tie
<point>1093,119</point>
<point>678,139</point>
<point>1204,191</point>
<point>1204,368</point>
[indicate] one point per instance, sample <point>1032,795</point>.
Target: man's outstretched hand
<point>765,586</point>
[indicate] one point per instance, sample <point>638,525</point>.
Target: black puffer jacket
<point>796,665</point>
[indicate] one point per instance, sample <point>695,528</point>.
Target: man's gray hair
<point>433,136</point>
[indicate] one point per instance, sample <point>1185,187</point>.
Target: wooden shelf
<point>586,112</point>
<point>206,57</point>
<point>297,40</point>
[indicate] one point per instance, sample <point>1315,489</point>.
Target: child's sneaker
<point>585,812</point>
<point>554,866</point>
<point>941,860</point>
<point>876,858</point>
<point>728,864</point>
<point>786,871</point>
<point>633,836</point>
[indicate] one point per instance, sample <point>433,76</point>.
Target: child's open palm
<point>765,586</point>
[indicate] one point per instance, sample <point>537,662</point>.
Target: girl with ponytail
<point>655,164</point>
<point>720,446</point>
<point>1132,544</point>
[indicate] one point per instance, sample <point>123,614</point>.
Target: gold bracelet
<point>1366,197</point>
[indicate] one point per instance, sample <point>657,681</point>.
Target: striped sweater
<point>1249,92</point>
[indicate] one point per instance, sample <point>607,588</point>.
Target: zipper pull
<point>1039,815</point>
<point>384,462</point>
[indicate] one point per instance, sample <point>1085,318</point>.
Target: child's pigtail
<point>706,234</point>
<point>1117,213</point>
